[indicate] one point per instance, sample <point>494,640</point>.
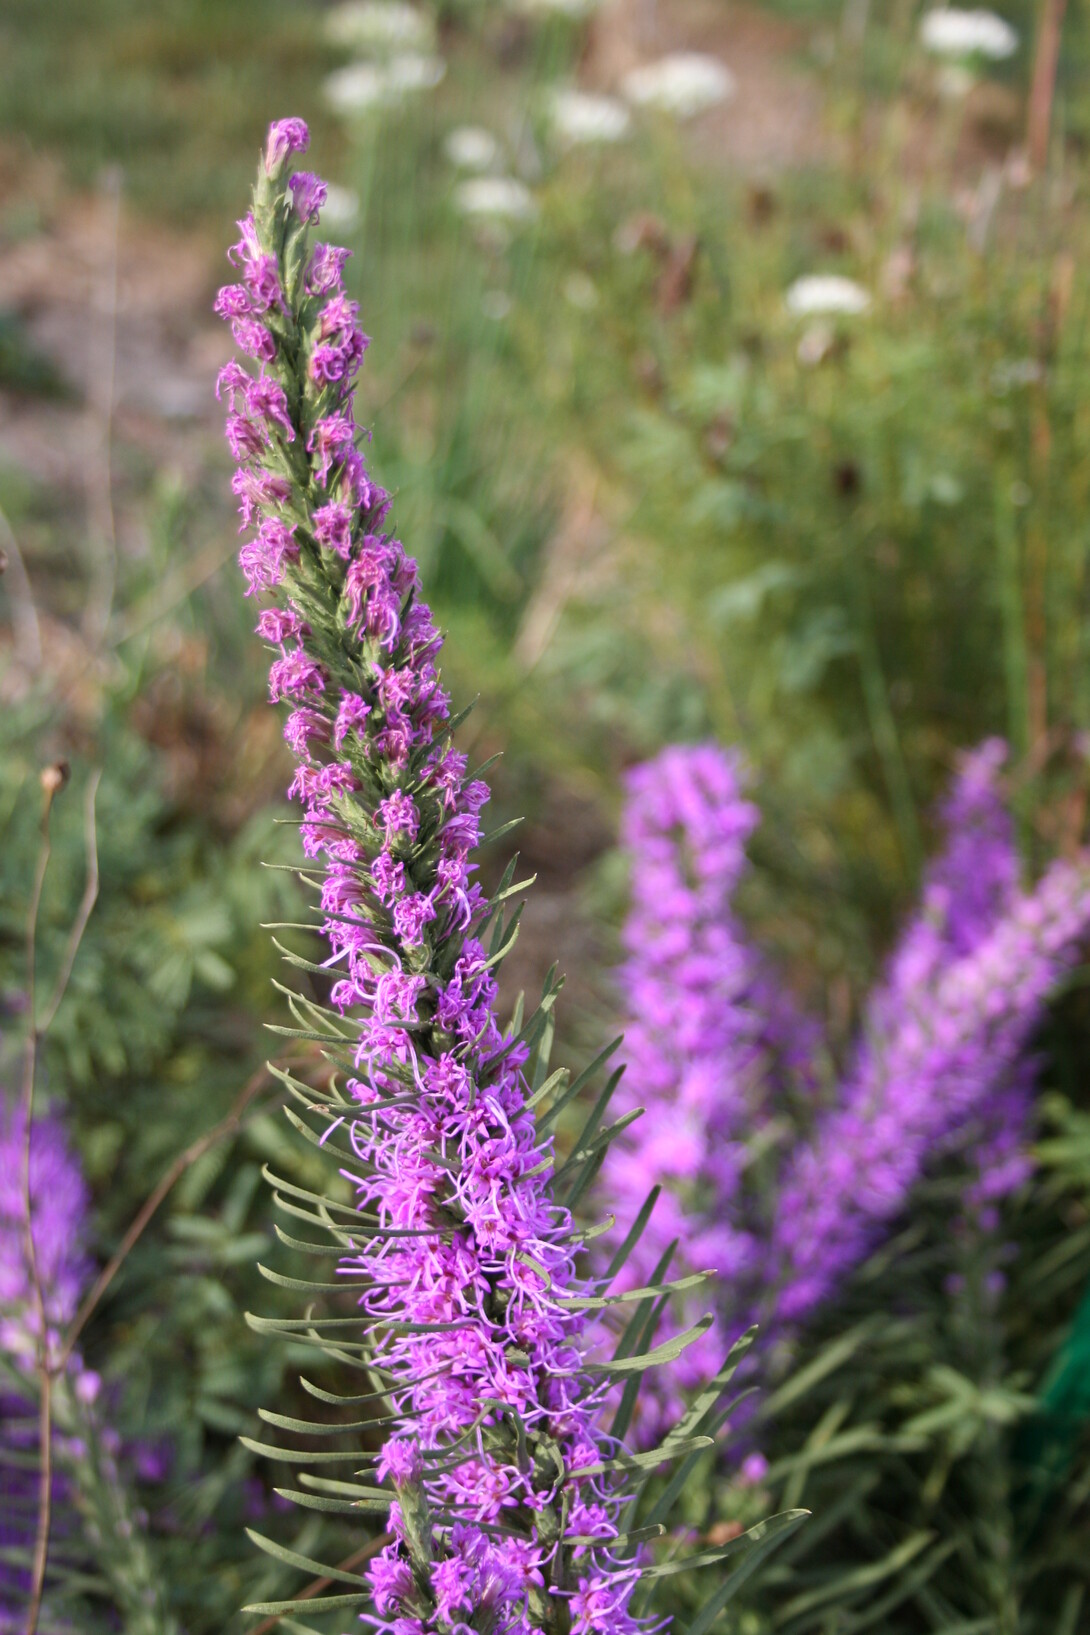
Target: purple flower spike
<point>942,1059</point>
<point>59,1202</point>
<point>501,1515</point>
<point>699,1039</point>
<point>86,1480</point>
<point>285,136</point>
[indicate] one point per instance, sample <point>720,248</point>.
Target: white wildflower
<point>496,304</point>
<point>825,293</point>
<point>580,291</point>
<point>684,84</point>
<point>370,25</point>
<point>471,147</point>
<point>353,89</point>
<point>341,208</point>
<point>577,117</point>
<point>501,198</point>
<point>364,85</point>
<point>1016,372</point>
<point>412,72</point>
<point>949,31</point>
<point>557,8</point>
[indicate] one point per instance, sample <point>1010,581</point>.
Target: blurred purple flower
<point>59,1203</point>
<point>942,1061</point>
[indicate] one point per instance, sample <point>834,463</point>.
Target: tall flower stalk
<point>942,1059</point>
<point>943,1056</point>
<point>707,1031</point>
<point>504,1488</point>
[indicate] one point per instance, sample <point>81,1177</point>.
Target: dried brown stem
<point>1043,89</point>
<point>104,523</point>
<point>26,626</point>
<point>87,903</point>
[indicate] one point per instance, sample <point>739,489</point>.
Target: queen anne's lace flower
<point>465,1262</point>
<point>497,198</point>
<point>685,83</point>
<point>471,147</point>
<point>378,25</point>
<point>952,31</point>
<point>362,86</point>
<point>577,117</point>
<point>826,293</point>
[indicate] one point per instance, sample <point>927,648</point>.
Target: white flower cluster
<point>471,147</point>
<point>949,31</point>
<point>499,198</point>
<point>369,25</point>
<point>486,194</point>
<point>575,9</point>
<point>396,39</point>
<point>578,117</point>
<point>826,293</point>
<point>683,84</point>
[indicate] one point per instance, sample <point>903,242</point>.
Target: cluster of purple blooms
<point>942,1062</point>
<point>708,1030</point>
<point>502,1516</point>
<point>59,1203</point>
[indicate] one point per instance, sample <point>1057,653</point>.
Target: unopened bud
<point>53,777</point>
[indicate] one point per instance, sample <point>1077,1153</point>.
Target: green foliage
<point>642,516</point>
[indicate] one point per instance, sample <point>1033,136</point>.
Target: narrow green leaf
<point>314,1427</point>
<point>651,1460</point>
<point>315,1603</point>
<point>335,1507</point>
<point>664,1353</point>
<point>305,1564</point>
<point>302,1456</point>
<point>578,1083</point>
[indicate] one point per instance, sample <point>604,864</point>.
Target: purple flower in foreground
<point>465,1262</point>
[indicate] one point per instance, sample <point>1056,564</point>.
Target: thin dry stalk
<point>1043,89</point>
<point>45,1381</point>
<point>103,520</point>
<point>87,903</point>
<point>26,627</point>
